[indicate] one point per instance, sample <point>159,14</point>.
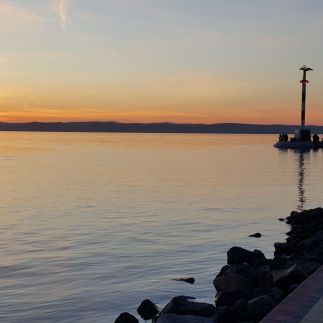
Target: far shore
<point>164,127</point>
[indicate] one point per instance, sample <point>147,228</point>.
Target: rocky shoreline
<point>249,286</point>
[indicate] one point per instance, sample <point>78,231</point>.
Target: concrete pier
<point>303,305</point>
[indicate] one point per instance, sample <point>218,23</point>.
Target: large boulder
<point>307,267</point>
<point>264,277</point>
<point>283,248</point>
<point>279,274</point>
<point>244,270</point>
<point>232,282</point>
<point>174,318</point>
<point>126,318</point>
<point>147,309</point>
<point>259,307</point>
<point>223,270</point>
<point>297,236</point>
<point>238,255</point>
<point>306,217</point>
<point>288,277</point>
<point>308,243</point>
<point>238,311</point>
<point>276,295</point>
<point>230,298</point>
<point>279,262</point>
<point>183,305</point>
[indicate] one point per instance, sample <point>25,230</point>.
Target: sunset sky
<point>160,60</point>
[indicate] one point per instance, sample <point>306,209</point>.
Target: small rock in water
<point>147,309</point>
<point>256,235</point>
<point>126,318</point>
<point>189,280</point>
<point>281,219</point>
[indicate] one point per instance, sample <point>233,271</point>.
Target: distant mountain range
<point>112,126</point>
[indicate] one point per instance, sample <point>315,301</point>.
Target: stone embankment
<point>250,285</point>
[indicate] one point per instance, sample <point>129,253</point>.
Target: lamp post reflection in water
<point>300,183</point>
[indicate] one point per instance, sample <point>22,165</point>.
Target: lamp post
<point>305,69</point>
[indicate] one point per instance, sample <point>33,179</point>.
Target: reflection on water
<point>304,159</point>
<point>92,224</point>
<point>300,185</point>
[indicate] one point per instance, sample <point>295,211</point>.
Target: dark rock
<point>308,243</point>
<point>282,273</point>
<point>230,298</point>
<point>126,318</point>
<point>279,262</point>
<point>276,295</point>
<point>238,311</point>
<point>260,258</point>
<point>259,307</point>
<point>221,316</point>
<point>296,230</point>
<point>306,217</point>
<point>147,309</point>
<point>182,305</point>
<point>293,216</point>
<point>238,255</point>
<point>307,267</point>
<point>292,276</point>
<point>297,234</point>
<point>232,282</point>
<point>256,235</point>
<point>174,318</point>
<point>281,219</point>
<point>264,277</point>
<point>189,280</point>
<point>244,270</point>
<point>223,271</point>
<point>294,240</point>
<point>319,236</point>
<point>283,248</point>
<point>319,256</point>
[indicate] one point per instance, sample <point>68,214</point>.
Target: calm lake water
<point>93,223</point>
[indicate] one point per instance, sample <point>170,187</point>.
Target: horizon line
<point>159,122</point>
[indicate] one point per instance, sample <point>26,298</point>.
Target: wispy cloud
<point>63,10</point>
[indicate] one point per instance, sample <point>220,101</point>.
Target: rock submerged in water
<point>250,285</point>
<point>189,280</point>
<point>256,235</point>
<point>126,318</point>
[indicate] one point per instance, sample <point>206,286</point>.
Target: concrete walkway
<point>303,305</point>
